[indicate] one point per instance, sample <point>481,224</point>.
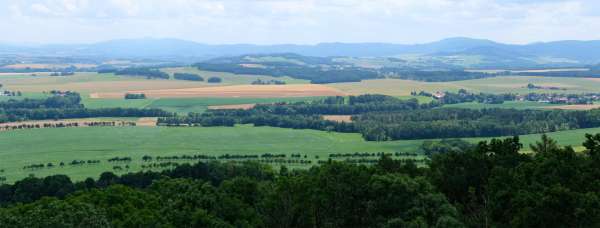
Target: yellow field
<point>252,91</point>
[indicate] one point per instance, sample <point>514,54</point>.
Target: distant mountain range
<point>486,51</point>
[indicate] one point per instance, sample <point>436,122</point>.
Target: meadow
<point>40,146</point>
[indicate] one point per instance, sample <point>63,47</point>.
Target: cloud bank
<point>298,21</point>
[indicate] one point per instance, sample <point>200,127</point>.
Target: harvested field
<point>235,106</point>
<point>252,91</point>
<point>147,122</point>
<point>338,118</point>
<point>574,107</point>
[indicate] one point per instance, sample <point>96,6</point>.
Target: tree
<point>545,146</point>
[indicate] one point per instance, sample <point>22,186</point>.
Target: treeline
<point>592,73</point>
<point>67,125</point>
<point>315,74</point>
<point>65,105</point>
<point>63,73</point>
<point>150,73</point>
<point>490,184</point>
<point>458,123</point>
<point>381,118</point>
<point>434,76</point>
<point>299,115</point>
<point>268,82</point>
<point>133,96</point>
<point>188,77</point>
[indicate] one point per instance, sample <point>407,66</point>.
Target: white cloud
<point>298,21</point>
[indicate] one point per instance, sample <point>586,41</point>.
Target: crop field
<point>25,147</point>
<point>513,84</point>
<point>101,83</point>
<point>234,91</point>
<point>41,146</point>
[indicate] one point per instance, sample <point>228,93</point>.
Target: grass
<point>36,146</point>
<point>184,105</point>
<point>25,147</point>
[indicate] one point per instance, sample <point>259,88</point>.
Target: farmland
<point>512,84</point>
<point>22,147</point>
<point>185,105</point>
<point>189,96</point>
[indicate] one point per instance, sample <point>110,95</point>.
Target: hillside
<point>453,50</point>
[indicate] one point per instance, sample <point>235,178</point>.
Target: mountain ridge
<point>576,50</point>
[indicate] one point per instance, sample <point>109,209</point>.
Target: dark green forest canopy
<point>490,184</point>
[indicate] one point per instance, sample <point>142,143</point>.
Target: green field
<point>184,105</point>
<point>26,147</point>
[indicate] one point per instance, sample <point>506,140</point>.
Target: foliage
<point>188,76</point>
<point>135,96</point>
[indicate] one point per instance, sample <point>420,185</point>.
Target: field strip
<point>574,107</point>
<point>250,91</point>
<point>338,118</point>
<point>234,106</point>
<point>147,122</point>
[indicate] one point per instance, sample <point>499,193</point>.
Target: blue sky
<point>297,21</point>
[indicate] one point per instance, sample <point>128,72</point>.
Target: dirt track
<point>254,91</point>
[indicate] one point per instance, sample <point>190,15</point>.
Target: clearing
<point>338,118</point>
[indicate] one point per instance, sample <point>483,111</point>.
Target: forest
<point>150,73</point>
<point>489,184</point>
<point>188,77</point>
<point>433,75</point>
<point>382,118</point>
<point>64,105</point>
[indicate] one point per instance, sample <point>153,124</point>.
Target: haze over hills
<point>461,51</point>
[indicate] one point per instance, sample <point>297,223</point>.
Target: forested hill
<point>578,51</point>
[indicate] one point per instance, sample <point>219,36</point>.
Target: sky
<point>298,21</point>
